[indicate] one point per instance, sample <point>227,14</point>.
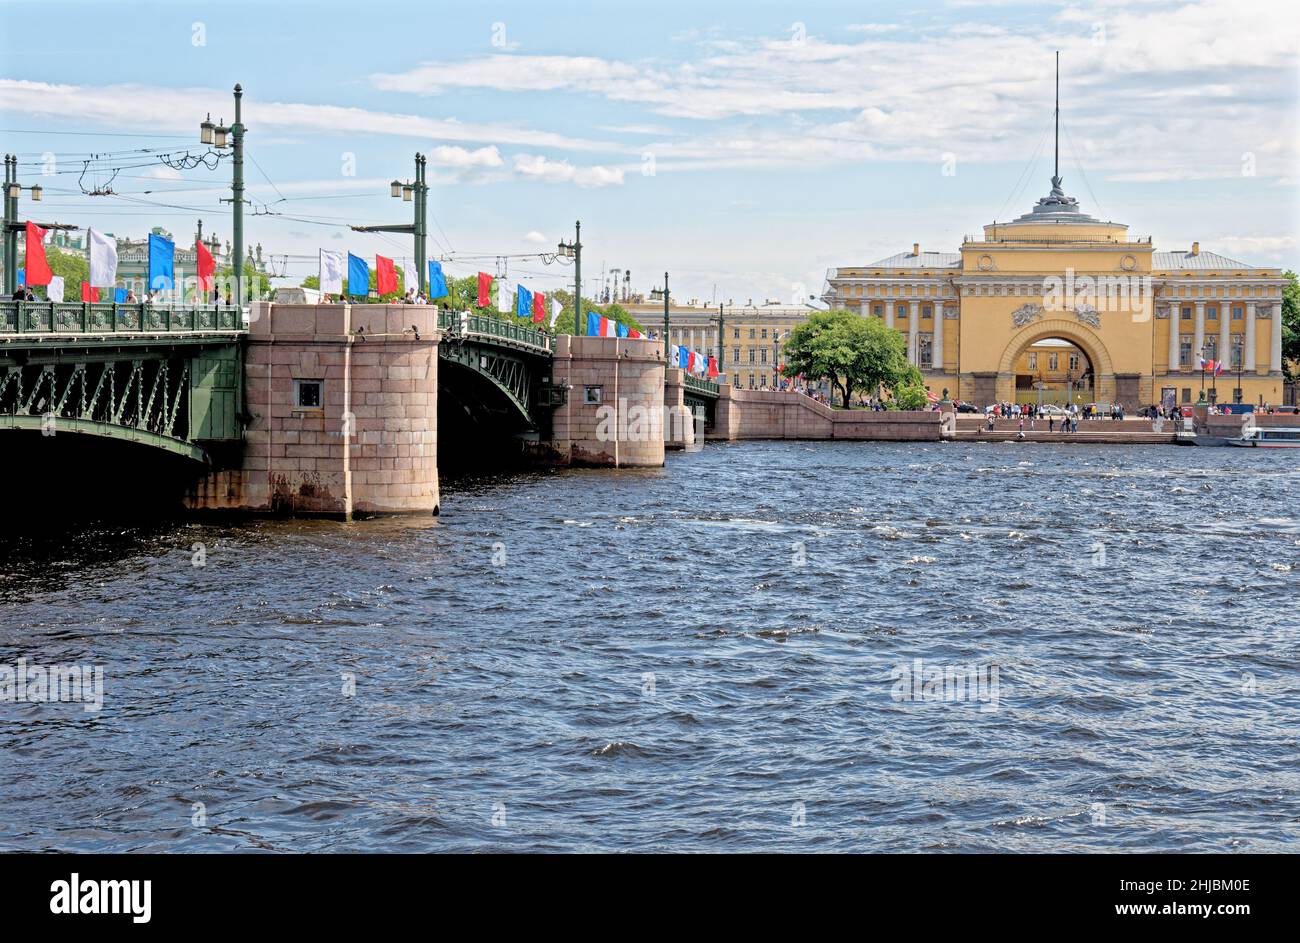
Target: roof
<point>924,260</point>
<point>1203,260</point>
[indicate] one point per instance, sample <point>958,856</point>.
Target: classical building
<point>752,333</point>
<point>1142,319</point>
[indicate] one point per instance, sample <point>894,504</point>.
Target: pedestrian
<point>1051,422</point>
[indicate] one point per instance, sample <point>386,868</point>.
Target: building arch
<point>1080,335</point>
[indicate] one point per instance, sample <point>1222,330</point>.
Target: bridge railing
<point>707,387</point>
<point>85,317</point>
<point>495,327</point>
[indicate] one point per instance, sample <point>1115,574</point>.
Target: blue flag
<point>622,330</point>
<point>119,296</point>
<point>22,278</point>
<point>358,276</point>
<point>162,254</point>
<point>523,302</point>
<point>683,358</point>
<point>593,324</point>
<point>437,281</point>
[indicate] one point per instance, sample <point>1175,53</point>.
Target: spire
<point>1056,206</point>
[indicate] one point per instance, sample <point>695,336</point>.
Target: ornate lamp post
<point>417,193</point>
<point>12,226</point>
<point>215,135</point>
<point>573,250</point>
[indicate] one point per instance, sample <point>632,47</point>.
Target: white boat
<point>1268,437</point>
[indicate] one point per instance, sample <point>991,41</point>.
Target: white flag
<point>103,260</point>
<point>54,290</point>
<point>556,308</point>
<point>505,298</point>
<point>331,272</point>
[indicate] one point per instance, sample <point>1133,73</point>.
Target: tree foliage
<point>1291,325</point>
<point>854,353</point>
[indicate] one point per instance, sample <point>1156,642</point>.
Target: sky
<point>746,148</point>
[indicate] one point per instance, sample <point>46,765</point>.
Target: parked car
<point>963,407</point>
<point>1051,409</point>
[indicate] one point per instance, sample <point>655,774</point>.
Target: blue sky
<point>744,147</point>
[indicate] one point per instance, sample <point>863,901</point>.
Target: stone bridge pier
<point>341,411</point>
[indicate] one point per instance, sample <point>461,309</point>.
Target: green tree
<point>853,352</point>
<point>909,391</point>
<point>1291,326</point>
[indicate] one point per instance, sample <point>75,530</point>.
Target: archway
<point>1098,366</point>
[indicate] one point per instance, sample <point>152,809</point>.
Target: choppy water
<point>692,658</point>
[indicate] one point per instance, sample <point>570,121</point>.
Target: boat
<point>1268,437</point>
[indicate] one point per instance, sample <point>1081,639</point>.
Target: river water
<point>703,657</point>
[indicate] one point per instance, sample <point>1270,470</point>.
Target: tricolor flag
<point>358,276</point>
<point>205,265</point>
<point>36,270</point>
<point>539,307</point>
<point>484,290</point>
<point>437,281</point>
<point>385,276</point>
<point>103,260</point>
<point>162,257</point>
<point>331,272</point>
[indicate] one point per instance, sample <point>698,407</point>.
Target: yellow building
<point>752,334</point>
<point>1141,319</point>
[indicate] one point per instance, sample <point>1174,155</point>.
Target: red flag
<point>484,290</point>
<point>539,307</point>
<point>38,272</point>
<point>89,293</point>
<point>385,276</point>
<point>203,261</point>
<point>713,367</point>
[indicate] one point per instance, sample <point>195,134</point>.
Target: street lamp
<point>573,250</point>
<point>11,225</point>
<point>419,228</point>
<point>214,135</point>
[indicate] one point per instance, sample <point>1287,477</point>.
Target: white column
<point>1175,316</point>
<point>1198,339</point>
<point>1225,333</point>
<point>1275,349</point>
<point>1250,338</point>
<point>913,327</point>
<point>936,347</point>
<point>889,313</point>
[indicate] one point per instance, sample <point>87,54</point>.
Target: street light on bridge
<point>419,228</point>
<point>573,250</point>
<point>214,135</point>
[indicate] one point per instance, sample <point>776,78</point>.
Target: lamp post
<point>215,135</point>
<point>573,250</point>
<point>12,226</point>
<point>722,344</point>
<point>418,194</point>
<point>667,343</point>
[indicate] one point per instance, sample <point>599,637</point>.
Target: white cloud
<point>534,237</point>
<point>537,167</point>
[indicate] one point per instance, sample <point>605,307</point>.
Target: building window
<point>1033,360</point>
<point>751,333</point>
<point>1212,313</point>
<point>735,355</point>
<point>1185,350</point>
<point>763,333</point>
<point>1074,362</point>
<point>1187,394</point>
<point>1238,313</point>
<point>900,311</point>
<point>751,382</point>
<point>1053,362</point>
<point>307,394</point>
<point>762,382</point>
<point>1186,314</point>
<point>762,355</point>
<point>735,381</point>
<point>927,311</point>
<point>753,357</point>
<point>925,352</point>
<point>593,395</point>
<point>878,310</point>
<point>1238,351</point>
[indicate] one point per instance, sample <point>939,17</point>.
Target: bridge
<point>328,409</point>
<point>169,378</point>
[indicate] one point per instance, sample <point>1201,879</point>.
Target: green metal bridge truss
<point>170,378</point>
<point>516,360</point>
